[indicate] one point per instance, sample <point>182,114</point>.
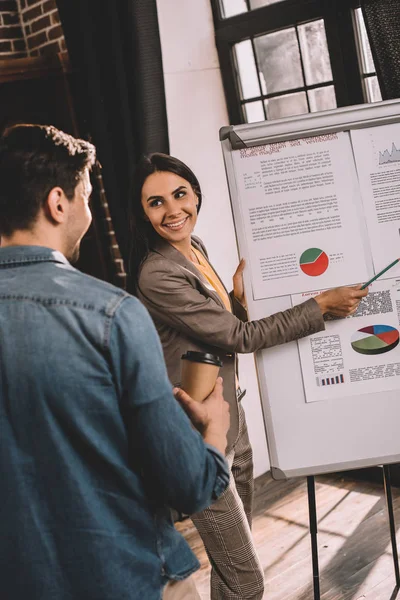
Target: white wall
<point>196,111</point>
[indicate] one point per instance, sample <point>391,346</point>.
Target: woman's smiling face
<point>170,204</point>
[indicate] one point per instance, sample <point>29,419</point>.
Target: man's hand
<point>211,417</point>
<point>341,301</point>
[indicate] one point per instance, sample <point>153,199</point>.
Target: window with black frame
<point>287,57</point>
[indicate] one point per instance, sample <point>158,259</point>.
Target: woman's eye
<point>180,195</point>
<point>155,203</point>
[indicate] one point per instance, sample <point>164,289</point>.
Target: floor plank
<point>353,540</point>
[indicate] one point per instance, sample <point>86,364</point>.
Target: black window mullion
<point>288,92</point>
<point>216,12</point>
<point>343,53</point>
<point>341,40</point>
<point>267,19</point>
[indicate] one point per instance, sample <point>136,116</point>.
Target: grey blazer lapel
<point>172,254</point>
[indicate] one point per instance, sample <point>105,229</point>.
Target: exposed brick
<point>1,20</point>
<point>49,5</point>
<point>32,13</point>
<point>52,48</point>
<point>5,47</point>
<point>63,45</point>
<point>8,6</point>
<point>55,33</point>
<point>10,18</point>
<point>32,2</point>
<point>10,33</point>
<point>27,30</point>
<point>40,24</point>
<point>23,4</point>
<point>34,41</point>
<point>55,18</point>
<point>19,45</point>
<point>34,53</point>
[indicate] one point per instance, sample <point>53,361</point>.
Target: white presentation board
<point>316,204</point>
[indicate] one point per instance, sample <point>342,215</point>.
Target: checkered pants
<point>236,572</point>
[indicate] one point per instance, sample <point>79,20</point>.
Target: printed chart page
<point>302,215</point>
<point>377,155</point>
<point>356,355</point>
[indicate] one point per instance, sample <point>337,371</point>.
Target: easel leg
<point>312,509</point>
<point>389,500</point>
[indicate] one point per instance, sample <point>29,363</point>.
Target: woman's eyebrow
<point>178,189</point>
<point>181,187</point>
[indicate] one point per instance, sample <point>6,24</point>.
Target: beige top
<point>206,269</point>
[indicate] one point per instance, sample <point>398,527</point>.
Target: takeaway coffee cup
<point>199,371</point>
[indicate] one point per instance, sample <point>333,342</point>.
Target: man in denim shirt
<point>94,448</point>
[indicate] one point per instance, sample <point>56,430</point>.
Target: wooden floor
<point>353,540</point>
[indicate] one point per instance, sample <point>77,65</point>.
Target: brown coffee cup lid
<point>202,357</point>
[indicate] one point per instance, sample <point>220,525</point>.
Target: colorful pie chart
<point>375,339</point>
<point>314,262</point>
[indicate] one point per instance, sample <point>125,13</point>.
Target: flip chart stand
<point>312,509</point>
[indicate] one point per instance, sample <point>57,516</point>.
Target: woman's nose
<point>173,210</point>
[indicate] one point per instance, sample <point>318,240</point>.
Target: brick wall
<point>29,28</point>
<point>42,29</point>
<point>12,41</point>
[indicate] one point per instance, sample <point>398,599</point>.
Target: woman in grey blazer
<point>171,274</point>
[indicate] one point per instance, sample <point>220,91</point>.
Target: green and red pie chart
<point>375,339</point>
<point>314,262</point>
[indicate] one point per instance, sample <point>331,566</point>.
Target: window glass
<point>322,98</point>
<point>254,112</point>
<point>230,8</point>
<point>259,3</point>
<point>372,89</point>
<point>248,80</point>
<point>284,106</point>
<point>367,62</point>
<point>278,59</point>
<point>314,51</point>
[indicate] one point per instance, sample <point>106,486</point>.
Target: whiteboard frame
<point>266,132</point>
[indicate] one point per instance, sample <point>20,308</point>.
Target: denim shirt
<point>93,446</point>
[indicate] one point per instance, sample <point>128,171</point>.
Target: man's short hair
<point>33,160</point>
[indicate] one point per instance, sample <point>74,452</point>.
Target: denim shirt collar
<point>11,256</point>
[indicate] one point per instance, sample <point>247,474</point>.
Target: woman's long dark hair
<point>143,235</point>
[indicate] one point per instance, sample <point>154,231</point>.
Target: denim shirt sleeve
<point>177,467</point>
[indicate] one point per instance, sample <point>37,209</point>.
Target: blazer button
<point>228,355</point>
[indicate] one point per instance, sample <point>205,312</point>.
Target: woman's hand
<point>238,287</point>
<point>341,301</point>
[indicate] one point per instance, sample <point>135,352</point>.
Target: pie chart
<point>375,339</point>
<point>314,262</point>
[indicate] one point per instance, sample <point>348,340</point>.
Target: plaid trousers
<point>225,528</point>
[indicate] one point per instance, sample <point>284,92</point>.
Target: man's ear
<point>56,205</point>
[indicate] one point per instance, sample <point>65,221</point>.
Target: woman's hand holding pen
<point>341,301</point>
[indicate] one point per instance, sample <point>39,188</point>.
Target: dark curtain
<point>382,20</point>
<point>118,89</point>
